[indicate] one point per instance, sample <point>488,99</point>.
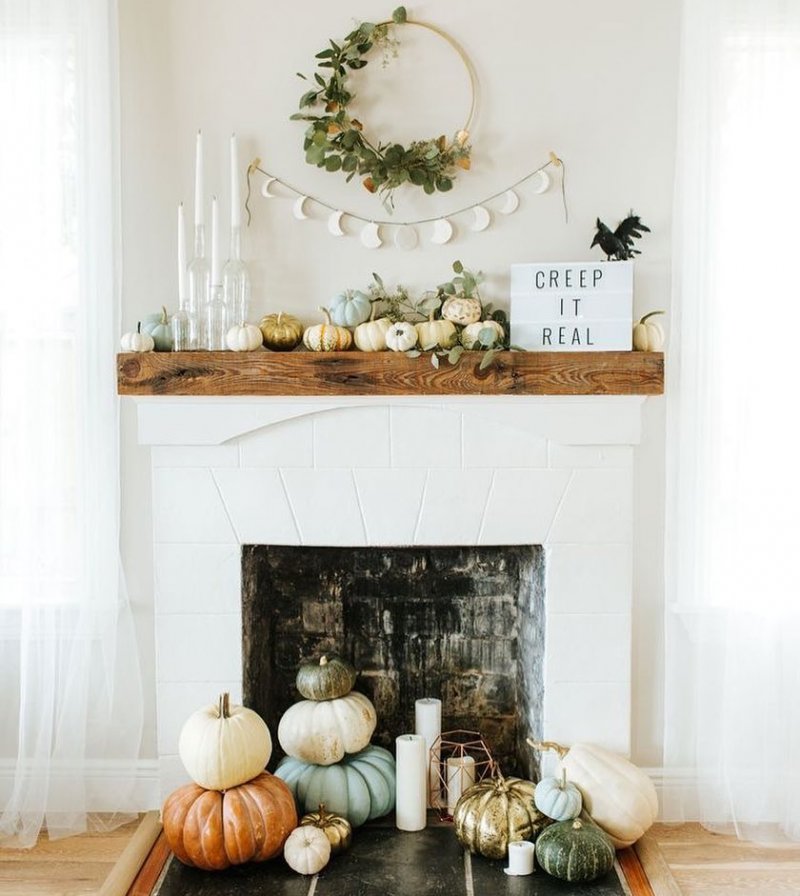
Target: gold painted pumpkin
<point>326,680</point>
<point>436,333</point>
<point>281,332</point>
<point>213,830</point>
<point>335,827</point>
<point>462,310</point>
<point>323,731</point>
<point>617,795</point>
<point>327,337</point>
<point>496,812</point>
<point>222,746</point>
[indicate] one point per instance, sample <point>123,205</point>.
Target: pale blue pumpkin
<point>157,325</point>
<point>350,308</point>
<point>557,798</point>
<point>360,787</point>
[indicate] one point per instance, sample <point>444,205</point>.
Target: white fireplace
<point>476,470</point>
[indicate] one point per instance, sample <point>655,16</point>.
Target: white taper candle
<point>199,217</point>
<point>182,294</point>
<point>428,723</point>
<point>412,783</point>
<point>236,207</point>
<point>215,268</point>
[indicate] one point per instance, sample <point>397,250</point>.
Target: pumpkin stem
<point>164,315</point>
<point>327,315</point>
<point>280,315</point>
<point>323,661</point>
<point>139,327</point>
<point>563,778</point>
<point>225,706</point>
<point>544,745</point>
<point>651,314</point>
<point>430,316</point>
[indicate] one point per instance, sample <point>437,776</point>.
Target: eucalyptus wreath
<point>336,141</point>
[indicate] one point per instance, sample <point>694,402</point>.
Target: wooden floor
<point>702,864</point>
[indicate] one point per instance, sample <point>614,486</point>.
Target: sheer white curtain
<point>70,691</point>
<point>733,504</point>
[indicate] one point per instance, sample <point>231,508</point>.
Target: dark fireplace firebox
<point>462,624</point>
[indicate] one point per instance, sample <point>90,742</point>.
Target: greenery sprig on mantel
<point>336,141</point>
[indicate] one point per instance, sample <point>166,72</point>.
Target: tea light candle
<point>520,858</point>
<point>428,723</point>
<point>412,782</point>
<point>460,777</point>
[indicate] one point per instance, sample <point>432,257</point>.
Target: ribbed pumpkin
<point>436,334</point>
<point>327,337</point>
<point>222,746</point>
<point>157,325</point>
<point>336,828</point>
<point>328,679</point>
<point>617,795</point>
<point>576,851</point>
<point>371,336</point>
<point>213,830</point>
<point>323,731</point>
<point>360,787</point>
<point>307,850</point>
<point>491,331</point>
<point>350,308</point>
<point>495,812</point>
<point>462,310</point>
<point>558,798</point>
<point>281,332</point>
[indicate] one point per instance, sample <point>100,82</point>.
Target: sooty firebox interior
<point>462,624</point>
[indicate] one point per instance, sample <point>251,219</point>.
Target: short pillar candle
<point>460,777</point>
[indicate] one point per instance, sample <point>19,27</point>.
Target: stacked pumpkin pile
<point>234,812</point>
<point>599,801</point>
<point>326,737</point>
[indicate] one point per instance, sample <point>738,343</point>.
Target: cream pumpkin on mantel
<point>222,746</point>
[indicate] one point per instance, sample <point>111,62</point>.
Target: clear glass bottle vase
<point>236,282</point>
<point>216,321</point>
<point>199,282</point>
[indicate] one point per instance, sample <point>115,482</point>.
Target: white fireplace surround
<point>395,471</point>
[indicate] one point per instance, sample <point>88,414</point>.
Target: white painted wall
<point>595,82</point>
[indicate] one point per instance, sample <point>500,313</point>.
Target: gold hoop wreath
<point>336,141</point>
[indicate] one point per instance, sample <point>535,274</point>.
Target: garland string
<point>554,161</point>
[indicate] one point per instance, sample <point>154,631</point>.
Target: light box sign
<point>572,306</point>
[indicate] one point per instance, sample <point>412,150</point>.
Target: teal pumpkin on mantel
<point>350,308</point>
<point>360,787</point>
<point>158,326</point>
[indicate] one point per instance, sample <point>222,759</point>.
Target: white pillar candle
<point>236,208</point>
<point>428,723</point>
<point>215,278</point>
<point>520,858</point>
<point>182,295</point>
<point>460,777</point>
<point>412,782</point>
<point>199,218</point>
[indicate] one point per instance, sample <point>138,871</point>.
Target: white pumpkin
<point>648,336</point>
<point>323,731</point>
<point>462,310</point>
<point>371,336</point>
<point>437,334</point>
<point>137,341</point>
<point>471,334</point>
<point>401,337</point>
<point>222,746</point>
<point>244,338</point>
<point>307,850</point>
<point>619,796</point>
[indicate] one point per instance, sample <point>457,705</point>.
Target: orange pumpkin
<point>213,829</point>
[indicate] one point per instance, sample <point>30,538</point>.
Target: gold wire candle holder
<point>458,759</point>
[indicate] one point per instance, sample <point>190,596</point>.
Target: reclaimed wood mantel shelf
<point>388,373</point>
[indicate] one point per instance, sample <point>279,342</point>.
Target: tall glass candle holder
<point>199,276</point>
<point>236,282</point>
<point>216,321</point>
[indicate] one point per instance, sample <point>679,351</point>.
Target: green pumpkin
<point>157,325</point>
<point>575,851</point>
<point>350,308</point>
<point>360,787</point>
<point>328,679</point>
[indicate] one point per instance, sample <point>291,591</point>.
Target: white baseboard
<point>677,794</point>
<point>108,786</point>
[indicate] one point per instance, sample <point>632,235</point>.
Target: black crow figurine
<point>618,244</point>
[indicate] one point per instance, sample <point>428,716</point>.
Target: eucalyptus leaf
<point>333,163</point>
<point>308,99</point>
<point>487,359</point>
<point>435,360</point>
<point>455,353</point>
<point>413,353</point>
<point>487,337</point>
<point>458,267</point>
<point>399,16</point>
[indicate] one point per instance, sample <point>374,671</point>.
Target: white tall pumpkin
<point>222,746</point>
<point>323,731</point>
<point>618,795</point>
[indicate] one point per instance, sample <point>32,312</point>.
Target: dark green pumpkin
<point>575,851</point>
<point>328,679</point>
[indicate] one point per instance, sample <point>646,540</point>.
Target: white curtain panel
<point>70,687</point>
<point>733,485</point>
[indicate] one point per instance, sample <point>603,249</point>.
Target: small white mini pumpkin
<point>558,798</point>
<point>137,341</point>
<point>222,746</point>
<point>371,336</point>
<point>471,334</point>
<point>437,334</point>
<point>307,850</point>
<point>401,336</point>
<point>648,336</point>
<point>244,338</point>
